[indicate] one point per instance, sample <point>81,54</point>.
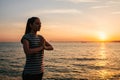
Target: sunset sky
<point>62,20</point>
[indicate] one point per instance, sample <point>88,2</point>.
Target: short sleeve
<point>42,39</point>
<point>25,37</point>
<point>40,36</point>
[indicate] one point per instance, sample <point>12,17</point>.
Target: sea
<point>68,61</point>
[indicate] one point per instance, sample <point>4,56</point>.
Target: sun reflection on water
<point>102,55</point>
<point>104,73</point>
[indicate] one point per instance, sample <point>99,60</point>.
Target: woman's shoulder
<point>40,36</point>
<point>25,36</point>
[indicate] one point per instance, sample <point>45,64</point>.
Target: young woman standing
<point>34,46</point>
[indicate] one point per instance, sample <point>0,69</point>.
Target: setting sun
<point>102,36</point>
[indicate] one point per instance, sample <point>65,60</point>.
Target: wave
<point>88,59</point>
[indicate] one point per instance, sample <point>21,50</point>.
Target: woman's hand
<point>47,46</point>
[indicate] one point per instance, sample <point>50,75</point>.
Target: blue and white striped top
<point>34,62</point>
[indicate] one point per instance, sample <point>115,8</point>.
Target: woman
<point>34,46</point>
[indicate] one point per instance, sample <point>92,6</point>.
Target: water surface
<point>68,61</point>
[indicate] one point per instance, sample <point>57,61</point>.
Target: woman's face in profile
<point>36,25</point>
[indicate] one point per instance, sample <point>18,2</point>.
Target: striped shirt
<point>34,62</point>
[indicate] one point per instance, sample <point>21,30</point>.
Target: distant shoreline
<point>75,41</point>
<point>87,41</point>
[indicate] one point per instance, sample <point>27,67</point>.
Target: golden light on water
<point>103,73</point>
<point>102,51</point>
<point>102,55</point>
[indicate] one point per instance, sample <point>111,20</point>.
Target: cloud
<point>117,12</point>
<point>55,11</point>
<point>114,2</point>
<point>78,1</point>
<point>61,11</point>
<point>96,7</point>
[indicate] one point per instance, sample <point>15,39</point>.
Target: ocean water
<point>68,61</point>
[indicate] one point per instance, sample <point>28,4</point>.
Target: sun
<point>102,36</point>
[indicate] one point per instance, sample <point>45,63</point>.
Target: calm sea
<point>68,61</point>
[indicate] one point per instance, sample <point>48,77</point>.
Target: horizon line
<point>63,41</point>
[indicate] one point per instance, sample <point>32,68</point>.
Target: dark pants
<point>32,76</point>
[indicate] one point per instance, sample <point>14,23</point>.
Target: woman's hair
<point>30,21</point>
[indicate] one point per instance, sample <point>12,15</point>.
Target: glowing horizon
<point>62,20</point>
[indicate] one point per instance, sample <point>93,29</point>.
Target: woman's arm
<point>47,46</point>
<point>28,50</point>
